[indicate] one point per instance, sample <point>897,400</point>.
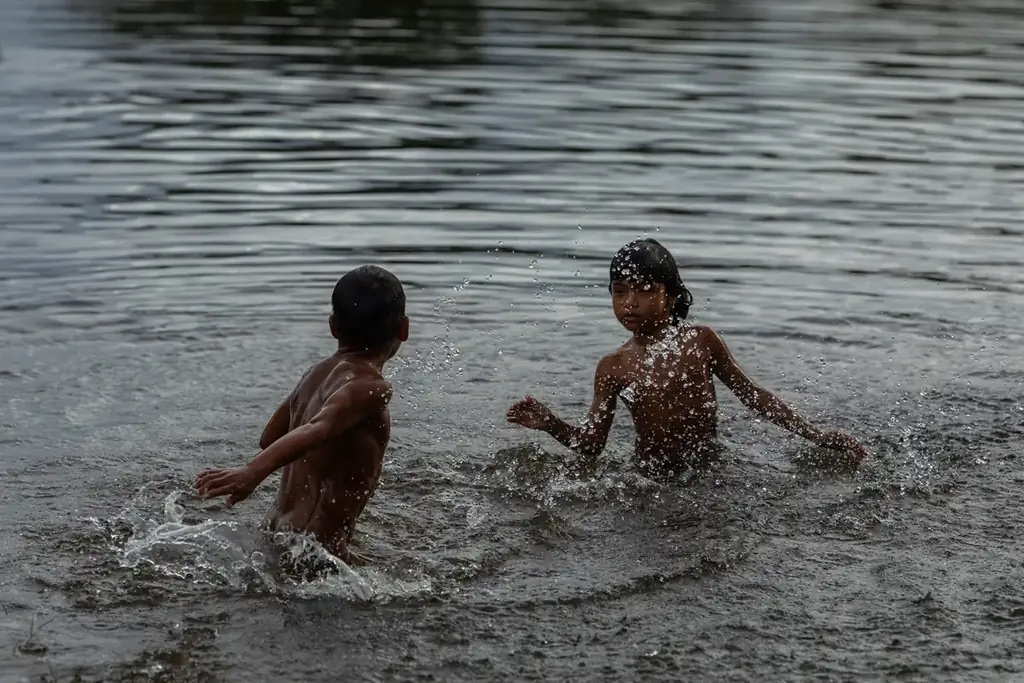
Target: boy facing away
<point>330,433</point>
<point>665,376</point>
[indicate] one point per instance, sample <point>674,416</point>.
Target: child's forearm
<point>285,450</point>
<point>574,438</point>
<point>776,411</point>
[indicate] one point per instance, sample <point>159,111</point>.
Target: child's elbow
<point>267,439</point>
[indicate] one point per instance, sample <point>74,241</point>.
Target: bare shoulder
<point>707,338</point>
<point>307,378</point>
<point>356,383</point>
<point>612,363</point>
<point>612,369</point>
<point>710,345</point>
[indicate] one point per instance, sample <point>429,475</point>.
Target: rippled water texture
<point>182,183</point>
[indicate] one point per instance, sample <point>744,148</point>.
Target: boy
<point>330,434</point>
<point>664,375</point>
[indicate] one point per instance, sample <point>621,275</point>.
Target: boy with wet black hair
<point>665,376</point>
<point>330,434</point>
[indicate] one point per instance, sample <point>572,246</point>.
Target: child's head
<point>646,287</point>
<point>368,311</point>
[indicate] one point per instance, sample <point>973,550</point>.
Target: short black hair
<point>368,305</point>
<point>647,262</point>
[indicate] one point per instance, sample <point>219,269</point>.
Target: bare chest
<point>669,374</point>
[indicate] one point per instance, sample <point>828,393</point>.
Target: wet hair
<point>368,305</point>
<point>647,262</point>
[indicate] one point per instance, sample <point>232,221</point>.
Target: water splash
<point>222,553</point>
<point>552,481</point>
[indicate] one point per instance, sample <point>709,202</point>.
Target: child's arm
<point>588,440</point>
<point>347,407</point>
<point>280,421</point>
<point>767,404</point>
<point>278,424</point>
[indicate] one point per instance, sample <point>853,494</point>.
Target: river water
<point>181,183</point>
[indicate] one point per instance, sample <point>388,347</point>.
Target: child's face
<point>639,306</point>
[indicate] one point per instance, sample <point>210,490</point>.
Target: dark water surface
<point>182,182</point>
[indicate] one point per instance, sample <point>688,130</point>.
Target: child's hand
<point>839,441</point>
<point>237,484</point>
<point>530,413</point>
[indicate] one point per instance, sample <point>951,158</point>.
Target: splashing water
<point>550,481</point>
<point>222,553</point>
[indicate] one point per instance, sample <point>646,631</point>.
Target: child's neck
<point>375,358</point>
<point>655,336</point>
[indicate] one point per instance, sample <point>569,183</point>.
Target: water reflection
<point>396,33</point>
<point>1007,7</point>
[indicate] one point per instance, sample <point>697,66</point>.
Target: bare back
<point>325,491</point>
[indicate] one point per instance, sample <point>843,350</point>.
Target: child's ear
<point>332,322</point>
<point>403,330</point>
